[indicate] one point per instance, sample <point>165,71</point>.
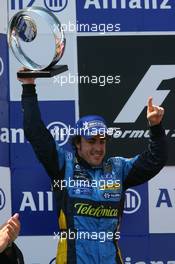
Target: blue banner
<point>4,102</point>
<point>150,249</point>
<point>125,15</point>
<point>135,211</point>
<point>33,199</point>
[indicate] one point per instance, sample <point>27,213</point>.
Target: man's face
<point>92,150</point>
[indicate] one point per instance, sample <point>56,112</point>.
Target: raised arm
<point>36,132</point>
<point>146,165</point>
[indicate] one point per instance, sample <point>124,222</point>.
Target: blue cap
<point>90,126</point>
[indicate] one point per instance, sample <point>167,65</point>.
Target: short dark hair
<point>75,140</point>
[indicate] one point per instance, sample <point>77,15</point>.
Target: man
<point>9,252</point>
<point>89,189</point>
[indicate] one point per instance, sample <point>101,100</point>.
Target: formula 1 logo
<point>132,201</point>
<point>1,66</point>
<point>59,132</point>
<point>56,5</point>
<point>147,86</point>
<point>2,199</point>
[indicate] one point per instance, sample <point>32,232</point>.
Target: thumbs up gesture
<point>154,113</point>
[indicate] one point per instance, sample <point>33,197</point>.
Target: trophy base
<point>46,73</point>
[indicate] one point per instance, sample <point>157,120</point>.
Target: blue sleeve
<point>61,156</point>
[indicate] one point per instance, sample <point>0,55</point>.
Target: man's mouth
<point>97,155</point>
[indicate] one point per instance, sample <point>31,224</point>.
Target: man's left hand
<point>154,113</point>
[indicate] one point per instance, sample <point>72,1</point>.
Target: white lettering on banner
<point>58,130</point>
<point>61,134</point>
<point>95,3</point>
<point>128,260</point>
<point>16,135</point>
<point>11,135</point>
<point>132,4</point>
<point>147,86</point>
<point>1,66</point>
<point>43,202</point>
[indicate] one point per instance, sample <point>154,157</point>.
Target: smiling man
<point>91,145</point>
<point>86,206</point>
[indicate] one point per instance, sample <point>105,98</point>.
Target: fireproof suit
<point>86,209</point>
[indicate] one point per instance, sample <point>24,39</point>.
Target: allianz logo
<point>16,135</point>
<point>128,4</point>
<point>37,201</point>
<point>132,201</point>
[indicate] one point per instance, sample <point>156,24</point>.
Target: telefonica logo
<point>99,211</point>
<point>128,4</point>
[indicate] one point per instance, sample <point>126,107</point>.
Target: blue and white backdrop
<point>119,52</point>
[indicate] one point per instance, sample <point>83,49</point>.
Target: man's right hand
<point>26,80</point>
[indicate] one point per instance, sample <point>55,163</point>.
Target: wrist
<point>27,82</point>
<point>28,90</point>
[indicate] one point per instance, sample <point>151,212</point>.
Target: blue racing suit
<point>89,199</point>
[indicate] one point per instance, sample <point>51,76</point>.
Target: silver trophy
<point>37,40</point>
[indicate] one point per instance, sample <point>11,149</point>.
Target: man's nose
<point>98,146</point>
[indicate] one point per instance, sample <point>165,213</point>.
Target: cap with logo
<point>90,126</point>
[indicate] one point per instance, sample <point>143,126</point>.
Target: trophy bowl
<point>37,40</point>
